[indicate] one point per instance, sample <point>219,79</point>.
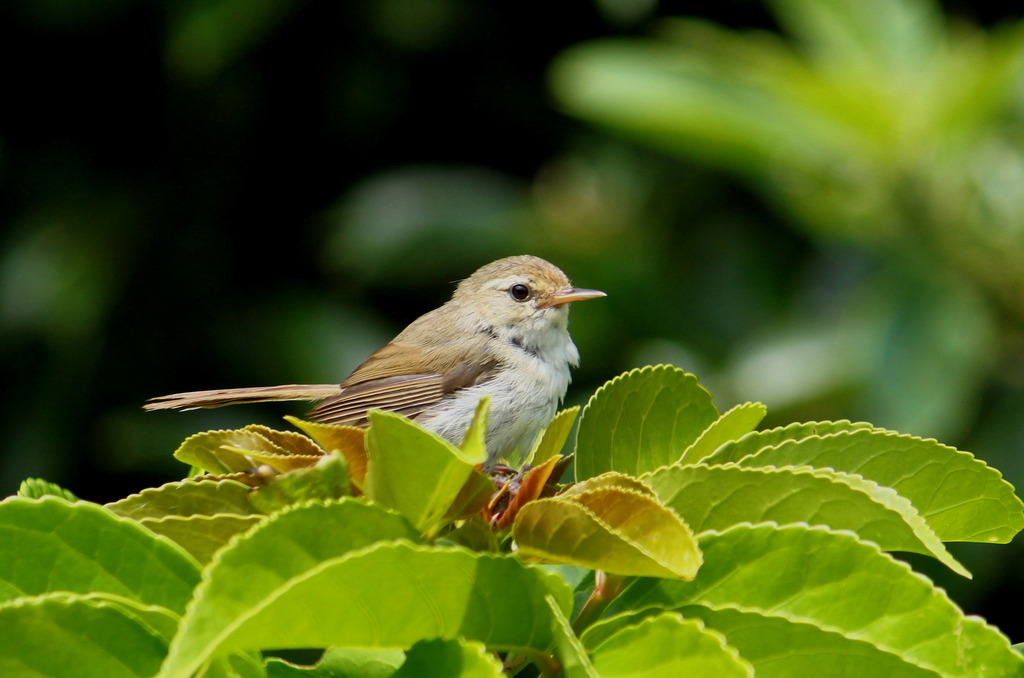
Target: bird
<point>503,334</point>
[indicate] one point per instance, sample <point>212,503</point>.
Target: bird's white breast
<point>524,393</point>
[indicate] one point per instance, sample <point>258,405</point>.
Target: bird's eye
<point>520,292</point>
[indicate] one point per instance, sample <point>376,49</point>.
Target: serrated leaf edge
<point>711,427</point>
<point>898,504</point>
<point>717,636</point>
<point>617,534</point>
<point>636,371</point>
<point>186,482</point>
<point>941,593</point>
<point>236,622</point>
<point>857,426</point>
<point>598,482</point>
<point>132,524</point>
<point>886,433</point>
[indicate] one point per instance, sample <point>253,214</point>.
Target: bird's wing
<point>383,382</point>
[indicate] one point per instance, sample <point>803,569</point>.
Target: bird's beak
<point>571,294</point>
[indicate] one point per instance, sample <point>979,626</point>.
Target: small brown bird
<point>504,333</point>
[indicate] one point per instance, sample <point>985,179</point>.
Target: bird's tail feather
<point>231,396</point>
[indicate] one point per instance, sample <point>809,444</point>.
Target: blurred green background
<point>817,205</point>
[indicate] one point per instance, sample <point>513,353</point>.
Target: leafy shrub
<point>690,543</point>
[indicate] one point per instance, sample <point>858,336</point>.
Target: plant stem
<point>606,588</point>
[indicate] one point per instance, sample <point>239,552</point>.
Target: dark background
<point>215,194</point>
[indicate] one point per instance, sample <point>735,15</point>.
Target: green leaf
<point>414,471</point>
<point>781,648</point>
<point>475,534</point>
<point>327,479</point>
<point>239,665</point>
<point>440,658</point>
<point>449,659</point>
<point>294,540</point>
<point>552,440</point>
<point>186,498</point>
<point>200,535</point>
<point>291,599</point>
<point>717,497</point>
<point>835,582</point>
<point>732,425</point>
<point>37,488</point>
<point>618,530</point>
<point>61,635</point>
<point>960,497</point>
<point>758,440</point>
<point>52,545</point>
<point>347,662</point>
<point>641,420</point>
<point>571,654</point>
<point>670,646</point>
<point>226,451</point>
<point>474,442</point>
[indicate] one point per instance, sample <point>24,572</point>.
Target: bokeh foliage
<point>874,125</point>
<point>818,210</point>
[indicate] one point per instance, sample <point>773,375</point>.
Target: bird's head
<point>520,295</point>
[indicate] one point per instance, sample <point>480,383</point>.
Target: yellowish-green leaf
<point>342,662</point>
<point>475,534</point>
<point>611,529</point>
<point>610,480</point>
<point>282,463</point>
<point>474,441</point>
<point>62,634</point>
<point>247,478</point>
<point>37,488</point>
<point>51,544</point>
<point>225,451</point>
<point>960,497</point>
<point>571,654</point>
<point>813,575</point>
<point>201,535</point>
<point>757,440</point>
<point>449,659</point>
<point>732,425</point>
<point>294,443</point>
<point>349,440</point>
<point>186,498</point>
<point>552,440</point>
<point>327,479</point>
<point>301,600</point>
<point>237,665</point>
<point>717,497</point>
<point>413,471</point>
<point>666,645</point>
<point>781,648</point>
